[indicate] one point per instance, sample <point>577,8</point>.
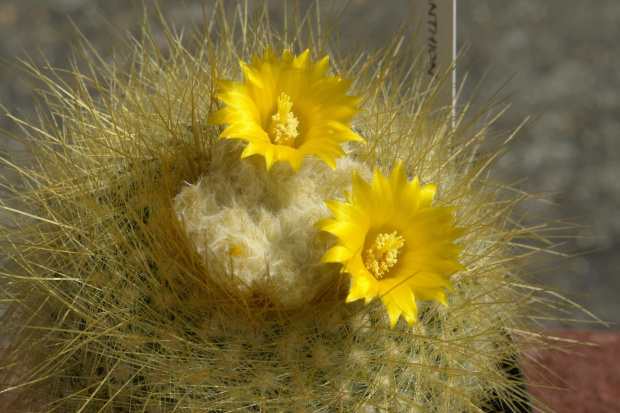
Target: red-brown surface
<point>587,377</point>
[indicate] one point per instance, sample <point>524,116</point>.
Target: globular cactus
<point>150,267</point>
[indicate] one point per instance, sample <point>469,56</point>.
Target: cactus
<point>146,267</point>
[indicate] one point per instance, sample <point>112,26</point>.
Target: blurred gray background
<point>565,58</point>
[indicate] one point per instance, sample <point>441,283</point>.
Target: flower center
<point>382,253</point>
<point>283,127</point>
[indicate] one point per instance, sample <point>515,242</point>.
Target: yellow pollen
<point>283,127</point>
<point>382,253</point>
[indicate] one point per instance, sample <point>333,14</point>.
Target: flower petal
<point>316,123</point>
<point>363,285</point>
<point>336,254</point>
<point>408,243</point>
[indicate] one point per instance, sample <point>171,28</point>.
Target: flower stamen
<point>382,254</point>
<point>283,127</point>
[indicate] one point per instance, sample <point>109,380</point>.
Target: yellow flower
<point>287,109</point>
<point>394,243</point>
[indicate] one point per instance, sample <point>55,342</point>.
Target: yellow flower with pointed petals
<point>394,243</point>
<point>288,109</point>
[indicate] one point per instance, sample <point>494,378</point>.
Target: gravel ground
<point>561,52</point>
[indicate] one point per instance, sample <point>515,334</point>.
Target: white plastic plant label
<point>436,38</point>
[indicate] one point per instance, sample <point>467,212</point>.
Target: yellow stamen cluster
<point>382,254</point>
<point>283,127</point>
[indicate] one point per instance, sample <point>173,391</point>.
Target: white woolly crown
<point>259,224</point>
